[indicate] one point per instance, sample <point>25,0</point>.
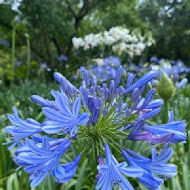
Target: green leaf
<point>80,176</point>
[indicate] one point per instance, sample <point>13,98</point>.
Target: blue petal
<point>59,172</point>
<point>182,83</point>
<point>168,170</point>
<point>62,103</point>
<point>150,114</point>
<point>38,179</point>
<point>32,146</point>
<point>54,115</point>
<point>142,81</point>
<point>170,116</point>
<point>33,122</point>
<point>130,79</point>
<point>136,128</point>
<point>52,129</point>
<point>76,106</point>
<point>164,155</point>
<point>149,181</point>
<point>58,77</point>
<point>40,100</point>
<point>118,76</point>
<point>174,126</point>
<point>155,104</point>
<point>31,158</point>
<point>32,168</point>
<point>83,118</point>
<point>104,183</point>
<point>132,171</point>
<point>148,98</point>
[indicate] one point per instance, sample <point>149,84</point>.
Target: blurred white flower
<point>78,42</point>
<point>118,38</point>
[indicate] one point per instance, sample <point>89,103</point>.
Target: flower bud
<point>165,87</point>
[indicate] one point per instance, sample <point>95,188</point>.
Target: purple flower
<point>175,70</point>
<point>172,132</point>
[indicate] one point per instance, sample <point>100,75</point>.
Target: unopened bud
<point>165,87</point>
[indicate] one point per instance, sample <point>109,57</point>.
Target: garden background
<point>36,39</point>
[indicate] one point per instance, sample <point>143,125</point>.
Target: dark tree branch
<point>70,8</point>
<point>47,44</point>
<point>55,41</point>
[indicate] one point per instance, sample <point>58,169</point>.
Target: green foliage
<point>169,21</point>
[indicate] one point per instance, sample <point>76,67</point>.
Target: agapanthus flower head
<point>97,115</point>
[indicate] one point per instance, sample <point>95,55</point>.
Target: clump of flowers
<point>103,69</point>
<point>120,39</point>
<point>176,70</point>
<point>99,116</point>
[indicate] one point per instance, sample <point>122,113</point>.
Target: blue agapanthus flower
<point>42,159</point>
<point>111,173</point>
<point>95,117</point>
<point>171,132</point>
<point>155,170</point>
<point>64,119</point>
<point>21,129</point>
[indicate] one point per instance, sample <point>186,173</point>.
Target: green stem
<point>28,55</point>
<point>13,54</point>
<point>86,147</point>
<point>165,112</point>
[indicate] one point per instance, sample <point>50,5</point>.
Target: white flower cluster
<point>120,39</point>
